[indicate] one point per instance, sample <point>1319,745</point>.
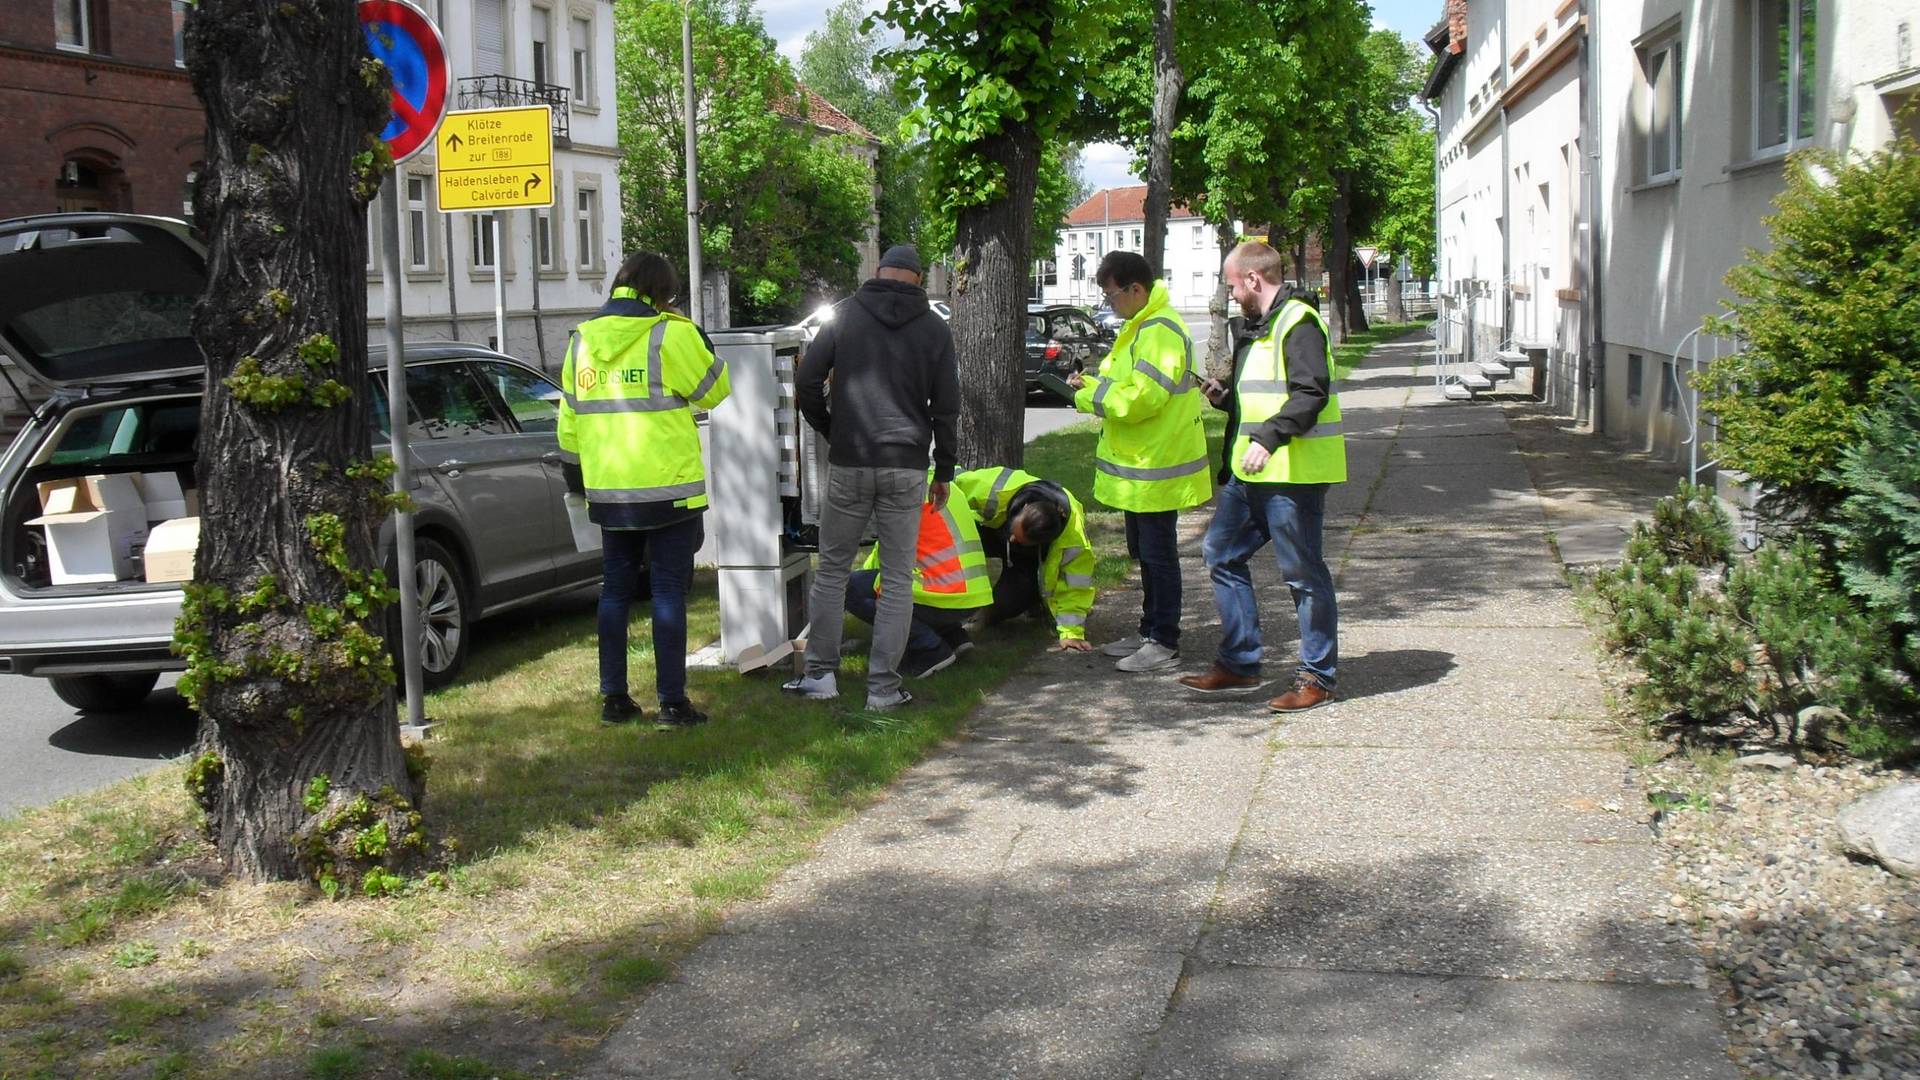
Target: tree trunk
<point>1396,303</point>
<point>1300,262</point>
<point>992,245</point>
<point>299,754</point>
<point>1355,299</point>
<point>1219,348</point>
<point>1338,251</point>
<point>1167,84</point>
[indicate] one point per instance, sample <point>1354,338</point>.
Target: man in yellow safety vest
<point>1038,531</point>
<point>1152,459</point>
<point>1283,449</point>
<point>950,584</point>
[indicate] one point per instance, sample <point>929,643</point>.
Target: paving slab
<point>1445,907</point>
<point>1266,1024</point>
<point>834,1001</point>
<point>1386,540</point>
<point>1497,588</point>
<point>1469,795</point>
<point>1414,447</point>
<point>1457,674</point>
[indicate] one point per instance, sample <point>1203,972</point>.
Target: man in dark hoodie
<point>894,395</point>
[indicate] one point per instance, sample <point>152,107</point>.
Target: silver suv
<point>96,306</point>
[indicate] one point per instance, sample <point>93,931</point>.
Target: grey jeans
<point>891,499</point>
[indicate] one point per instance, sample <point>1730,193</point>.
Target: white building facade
<point>557,262</point>
<point>1114,219</point>
<point>1602,167</point>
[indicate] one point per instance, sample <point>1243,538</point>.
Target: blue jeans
<point>666,554</point>
<point>1153,541</point>
<point>924,634</point>
<point>1245,517</point>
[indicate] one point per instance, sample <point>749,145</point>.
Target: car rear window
<point>166,426</point>
<point>103,320</point>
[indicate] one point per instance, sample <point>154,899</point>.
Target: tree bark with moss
<point>299,764</point>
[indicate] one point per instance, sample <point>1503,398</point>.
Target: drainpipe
<point>1434,115</point>
<point>1591,393</point>
<point>1506,193</point>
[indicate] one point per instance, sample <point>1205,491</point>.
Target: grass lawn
<point>591,858</point>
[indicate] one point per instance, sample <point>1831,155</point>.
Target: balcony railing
<point>502,91</point>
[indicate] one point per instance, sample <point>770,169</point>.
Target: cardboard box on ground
<point>97,528</point>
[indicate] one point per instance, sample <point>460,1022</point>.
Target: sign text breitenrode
<point>496,159</point>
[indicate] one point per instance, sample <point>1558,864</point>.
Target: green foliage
<point>839,62</point>
<point>204,775</point>
<point>1403,224</point>
<point>1830,314</point>
<point>1759,639</point>
<point>1876,527</point>
<point>334,1063</point>
<point>315,800</point>
<point>781,203</point>
<point>135,954</point>
<point>252,386</point>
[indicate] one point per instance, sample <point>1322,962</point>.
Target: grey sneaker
<point>814,687</point>
<point>1126,646</point>
<point>897,701</point>
<point>1152,656</point>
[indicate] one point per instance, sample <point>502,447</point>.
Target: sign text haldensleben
<point>496,159</point>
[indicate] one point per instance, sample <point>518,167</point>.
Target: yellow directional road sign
<point>496,159</point>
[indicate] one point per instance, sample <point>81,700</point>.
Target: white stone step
<point>1473,381</point>
<point>1494,369</point>
<point>1513,357</point>
<point>1456,392</point>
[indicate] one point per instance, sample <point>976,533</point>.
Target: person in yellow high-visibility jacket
<point>632,376</point>
<point>1152,459</point>
<point>1284,448</point>
<point>1039,532</point>
<point>949,584</point>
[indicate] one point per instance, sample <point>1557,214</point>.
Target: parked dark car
<point>1062,339</point>
<point>1108,319</point>
<point>97,306</point>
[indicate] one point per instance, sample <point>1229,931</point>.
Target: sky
<point>1104,164</point>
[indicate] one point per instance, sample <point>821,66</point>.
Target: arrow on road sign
<point>533,181</point>
<point>454,142</point>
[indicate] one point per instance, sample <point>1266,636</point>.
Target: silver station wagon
<point>97,308</point>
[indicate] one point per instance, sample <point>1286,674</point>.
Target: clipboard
<point>1056,385</point>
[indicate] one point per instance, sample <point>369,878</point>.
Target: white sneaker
<point>1126,646</point>
<point>1152,656</point>
<point>898,700</point>
<point>814,687</point>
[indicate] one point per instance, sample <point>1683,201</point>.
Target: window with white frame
<point>1139,241</point>
<point>480,241</point>
<point>1783,71</point>
<point>542,48</point>
<point>490,37</point>
<point>1199,236</point>
<point>582,39</point>
<point>180,8</point>
<point>73,25</point>
<point>373,238</point>
<point>586,218</point>
<point>544,253</point>
<point>1093,242</point>
<point>1661,71</point>
<point>1119,239</point>
<point>419,221</point>
<point>1073,241</point>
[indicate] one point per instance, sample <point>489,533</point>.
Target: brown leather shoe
<point>1219,680</point>
<point>1305,694</point>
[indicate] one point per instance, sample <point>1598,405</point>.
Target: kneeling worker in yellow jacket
<point>1039,532</point>
<point>949,585</point>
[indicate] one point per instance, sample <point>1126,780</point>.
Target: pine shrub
<point>1876,528</point>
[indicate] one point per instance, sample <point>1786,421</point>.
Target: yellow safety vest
<point>1066,571</point>
<point>629,386</point>
<point>1153,452</point>
<point>1319,456</point>
<point>949,565</point>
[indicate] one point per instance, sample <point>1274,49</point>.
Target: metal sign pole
<point>696,306</point>
<point>402,466</point>
<point>499,288</point>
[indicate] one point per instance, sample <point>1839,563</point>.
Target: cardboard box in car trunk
<point>94,526</point>
<point>170,549</point>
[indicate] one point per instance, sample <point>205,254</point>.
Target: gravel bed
<point>1814,957</point>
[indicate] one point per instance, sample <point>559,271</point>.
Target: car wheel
<point>115,692</point>
<point>446,615</point>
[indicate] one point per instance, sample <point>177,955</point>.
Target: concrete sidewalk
<point>1441,875</point>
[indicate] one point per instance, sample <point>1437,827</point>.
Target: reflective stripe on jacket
<point>1153,453</point>
<point>1066,571</point>
<point>629,384</point>
<point>949,566</point>
<point>1317,457</point>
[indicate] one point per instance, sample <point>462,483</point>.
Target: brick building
<point>95,109</point>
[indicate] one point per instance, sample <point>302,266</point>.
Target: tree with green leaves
<point>299,765</point>
<point>998,81</point>
<point>1377,93</point>
<point>781,204</point>
<point>839,62</point>
<point>1404,224</point>
<point>1830,319</point>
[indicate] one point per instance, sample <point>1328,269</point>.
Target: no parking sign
<point>399,36</point>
